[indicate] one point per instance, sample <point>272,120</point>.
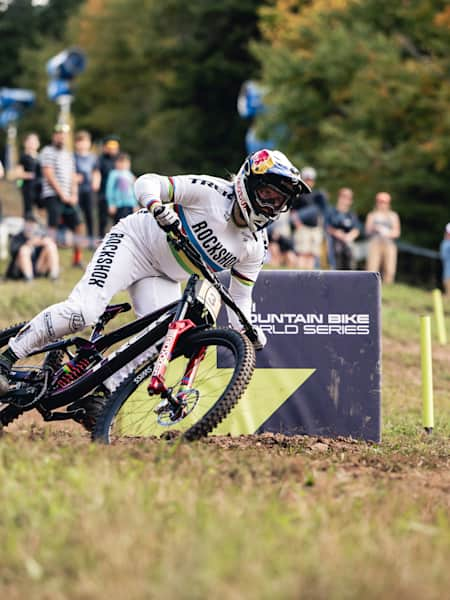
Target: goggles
<point>271,200</point>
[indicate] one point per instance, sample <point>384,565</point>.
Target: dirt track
<point>422,470</point>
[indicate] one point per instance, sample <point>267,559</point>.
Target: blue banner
<point>8,116</point>
<point>57,88</point>
<point>67,64</point>
<point>15,97</point>
<point>251,99</point>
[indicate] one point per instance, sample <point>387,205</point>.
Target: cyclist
<point>223,220</point>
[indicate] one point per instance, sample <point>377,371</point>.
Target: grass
<point>267,517</point>
<point>204,521</point>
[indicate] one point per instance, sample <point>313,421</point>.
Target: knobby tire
<point>9,413</point>
<point>244,363</point>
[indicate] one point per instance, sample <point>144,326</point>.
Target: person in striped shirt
<point>224,220</point>
<point>60,189</point>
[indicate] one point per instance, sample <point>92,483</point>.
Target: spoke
<point>137,417</point>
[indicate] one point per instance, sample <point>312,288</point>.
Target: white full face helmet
<point>266,186</point>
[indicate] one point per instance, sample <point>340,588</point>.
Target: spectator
<point>33,254</point>
<point>382,227</point>
<point>105,164</point>
<point>308,220</point>
<point>445,256</point>
<point>281,247</point>
<point>119,189</point>
<point>60,190</point>
<point>85,162</point>
<point>343,227</point>
<point>29,171</point>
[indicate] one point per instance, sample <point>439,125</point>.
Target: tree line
<point>361,90</point>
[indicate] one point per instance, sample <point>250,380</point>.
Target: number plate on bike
<point>207,295</point>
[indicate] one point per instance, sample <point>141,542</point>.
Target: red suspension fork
<point>157,383</point>
<point>190,373</point>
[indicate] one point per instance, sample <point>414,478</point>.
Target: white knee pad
<point>52,323</point>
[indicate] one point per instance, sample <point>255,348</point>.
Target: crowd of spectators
<point>76,196</point>
<point>317,234</point>
<point>84,193</point>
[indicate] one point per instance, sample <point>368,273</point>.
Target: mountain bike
<point>196,371</point>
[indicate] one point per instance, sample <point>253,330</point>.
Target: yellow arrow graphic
<point>267,391</point>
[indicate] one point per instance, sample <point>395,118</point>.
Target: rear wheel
<point>9,414</point>
<point>7,334</point>
<point>222,378</point>
<point>52,360</point>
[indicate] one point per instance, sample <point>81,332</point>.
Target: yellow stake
<point>439,315</point>
<point>427,374</point>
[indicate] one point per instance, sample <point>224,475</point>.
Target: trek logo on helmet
<point>240,194</point>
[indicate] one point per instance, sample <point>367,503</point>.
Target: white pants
<point>118,264</point>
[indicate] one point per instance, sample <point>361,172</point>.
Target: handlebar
<point>181,242</point>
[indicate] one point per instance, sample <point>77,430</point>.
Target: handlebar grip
<point>173,227</point>
<point>167,227</point>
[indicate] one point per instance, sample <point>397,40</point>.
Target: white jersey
<point>204,206</point>
<point>135,256</point>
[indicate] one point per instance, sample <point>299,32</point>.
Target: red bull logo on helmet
<point>262,161</point>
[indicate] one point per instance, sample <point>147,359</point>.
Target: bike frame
<point>146,331</point>
<point>179,326</point>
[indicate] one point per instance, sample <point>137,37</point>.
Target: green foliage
<point>16,23</point>
<point>363,89</point>
<point>24,26</point>
<point>165,76</point>
<point>44,113</point>
<point>30,35</point>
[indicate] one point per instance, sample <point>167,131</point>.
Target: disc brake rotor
<point>169,415</point>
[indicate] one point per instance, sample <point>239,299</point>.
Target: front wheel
<point>221,379</point>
